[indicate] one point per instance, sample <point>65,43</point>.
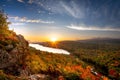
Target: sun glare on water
<point>53,39</point>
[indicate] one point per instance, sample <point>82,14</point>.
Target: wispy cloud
<point>24,19</point>
<point>22,1</point>
<point>73,9</point>
<point>17,23</point>
<point>30,1</point>
<point>89,28</point>
<point>103,13</point>
<point>70,8</point>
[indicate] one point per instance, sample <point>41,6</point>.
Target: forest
<point>102,54</point>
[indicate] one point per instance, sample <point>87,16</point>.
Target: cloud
<point>70,8</point>
<point>24,19</point>
<point>73,9</point>
<point>89,28</point>
<point>18,23</point>
<point>20,1</point>
<point>30,1</point>
<point>90,12</point>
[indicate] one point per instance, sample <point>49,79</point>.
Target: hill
<point>101,53</point>
<point>101,40</point>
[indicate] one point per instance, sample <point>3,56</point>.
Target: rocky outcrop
<point>39,77</point>
<point>13,54</point>
<point>13,48</point>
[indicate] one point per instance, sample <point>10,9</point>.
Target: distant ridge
<point>101,40</point>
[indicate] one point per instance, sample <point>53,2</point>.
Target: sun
<point>53,39</point>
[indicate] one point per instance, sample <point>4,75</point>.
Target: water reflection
<point>49,49</point>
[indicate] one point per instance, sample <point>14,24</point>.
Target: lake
<point>48,49</point>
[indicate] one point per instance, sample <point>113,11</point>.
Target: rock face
<point>38,77</point>
<point>13,53</point>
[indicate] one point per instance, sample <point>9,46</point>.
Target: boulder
<point>9,47</point>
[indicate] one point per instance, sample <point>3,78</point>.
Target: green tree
<point>3,20</point>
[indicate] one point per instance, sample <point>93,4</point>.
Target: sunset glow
<point>40,20</point>
<point>53,39</point>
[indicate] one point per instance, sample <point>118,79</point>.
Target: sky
<point>40,20</point>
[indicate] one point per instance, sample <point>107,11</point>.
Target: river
<point>48,49</point>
